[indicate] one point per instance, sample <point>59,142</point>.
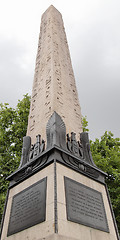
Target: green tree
<point>106,155</point>
<point>85,124</point>
<point>13,126</point>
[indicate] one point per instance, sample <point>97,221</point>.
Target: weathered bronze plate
<point>28,207</point>
<point>85,205</point>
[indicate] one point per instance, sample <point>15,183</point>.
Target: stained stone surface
<point>54,87</point>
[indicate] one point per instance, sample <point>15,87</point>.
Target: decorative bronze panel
<point>28,207</point>
<point>85,205</point>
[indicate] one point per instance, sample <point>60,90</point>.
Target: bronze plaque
<point>28,207</point>
<point>85,205</point>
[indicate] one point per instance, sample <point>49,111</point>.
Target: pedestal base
<point>57,224</point>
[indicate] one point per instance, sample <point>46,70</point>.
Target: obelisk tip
<point>51,7</point>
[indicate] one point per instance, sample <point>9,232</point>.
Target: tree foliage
<point>13,125</point>
<point>106,155</point>
<point>85,124</point>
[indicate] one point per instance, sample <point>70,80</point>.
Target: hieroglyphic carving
<point>54,85</point>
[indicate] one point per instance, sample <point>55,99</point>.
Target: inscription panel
<point>85,205</point>
<point>28,207</point>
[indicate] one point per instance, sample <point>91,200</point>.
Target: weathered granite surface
<point>54,87</point>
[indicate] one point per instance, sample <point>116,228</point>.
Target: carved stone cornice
<point>60,147</point>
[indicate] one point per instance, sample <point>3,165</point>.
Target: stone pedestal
<point>56,166</point>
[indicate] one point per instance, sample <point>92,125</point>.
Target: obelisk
<point>54,87</point>
<point>57,193</point>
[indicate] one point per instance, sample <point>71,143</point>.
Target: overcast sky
<point>93,34</point>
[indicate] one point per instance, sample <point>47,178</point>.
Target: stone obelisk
<point>57,193</point>
<point>54,87</point>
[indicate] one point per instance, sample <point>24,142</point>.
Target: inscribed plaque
<point>85,205</point>
<point>28,207</point>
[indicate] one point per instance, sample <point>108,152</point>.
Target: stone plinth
<point>54,87</point>
<point>56,225</point>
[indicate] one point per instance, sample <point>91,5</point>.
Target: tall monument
<point>54,87</point>
<point>57,193</point>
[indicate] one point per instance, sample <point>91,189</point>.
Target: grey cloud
<point>14,80</point>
